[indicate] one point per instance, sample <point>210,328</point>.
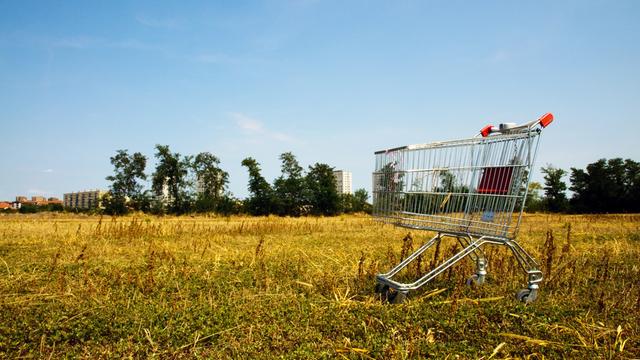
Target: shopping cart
<point>472,190</point>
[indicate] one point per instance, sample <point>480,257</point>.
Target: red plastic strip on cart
<point>495,180</point>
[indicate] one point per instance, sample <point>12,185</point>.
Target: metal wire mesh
<point>471,186</point>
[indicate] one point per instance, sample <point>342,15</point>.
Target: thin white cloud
<point>213,58</point>
<point>47,171</point>
<point>133,44</point>
<point>77,42</point>
<point>282,137</point>
<point>153,22</point>
<point>88,42</point>
<point>303,3</point>
<point>252,126</point>
<point>247,123</point>
<point>500,56</point>
<point>222,58</point>
<point>83,42</point>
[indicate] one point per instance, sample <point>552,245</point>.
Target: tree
<point>360,203</point>
<point>229,205</point>
<point>55,207</point>
<point>356,202</point>
<point>211,181</point>
<point>555,199</point>
<point>261,201</point>
<point>170,179</point>
<point>125,185</point>
<point>632,185</point>
<point>388,185</point>
<point>616,185</point>
<point>447,181</point>
<point>322,190</point>
<point>533,201</point>
<point>29,209</point>
<point>606,186</point>
<point>346,203</point>
<point>145,201</point>
<point>290,186</point>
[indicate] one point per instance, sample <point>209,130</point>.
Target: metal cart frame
<point>472,190</point>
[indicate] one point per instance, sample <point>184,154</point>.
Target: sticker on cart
<point>488,216</point>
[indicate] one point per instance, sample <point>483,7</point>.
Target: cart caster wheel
<point>383,293</point>
<point>475,280</point>
<point>527,296</point>
<point>381,288</point>
<point>397,297</point>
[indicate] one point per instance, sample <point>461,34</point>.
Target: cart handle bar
<point>543,121</point>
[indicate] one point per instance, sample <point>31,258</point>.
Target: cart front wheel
<point>527,296</point>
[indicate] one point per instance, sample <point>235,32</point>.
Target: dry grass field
<point>242,287</point>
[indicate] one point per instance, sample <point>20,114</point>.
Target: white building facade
<point>343,181</point>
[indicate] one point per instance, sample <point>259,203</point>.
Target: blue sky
<point>331,81</point>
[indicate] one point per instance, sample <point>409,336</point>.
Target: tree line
<point>605,186</point>
<point>182,184</point>
<point>197,184</point>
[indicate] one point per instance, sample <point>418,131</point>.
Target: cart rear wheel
<point>527,296</point>
<point>383,292</point>
<point>397,297</point>
<point>381,288</point>
<point>475,280</point>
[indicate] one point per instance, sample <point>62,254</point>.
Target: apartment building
<point>83,199</point>
<point>343,181</point>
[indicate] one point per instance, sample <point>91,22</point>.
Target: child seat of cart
<point>494,181</point>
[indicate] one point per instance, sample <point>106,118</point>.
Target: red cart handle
<point>543,121</point>
<point>546,119</point>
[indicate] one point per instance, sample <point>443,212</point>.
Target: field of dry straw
<point>242,287</point>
